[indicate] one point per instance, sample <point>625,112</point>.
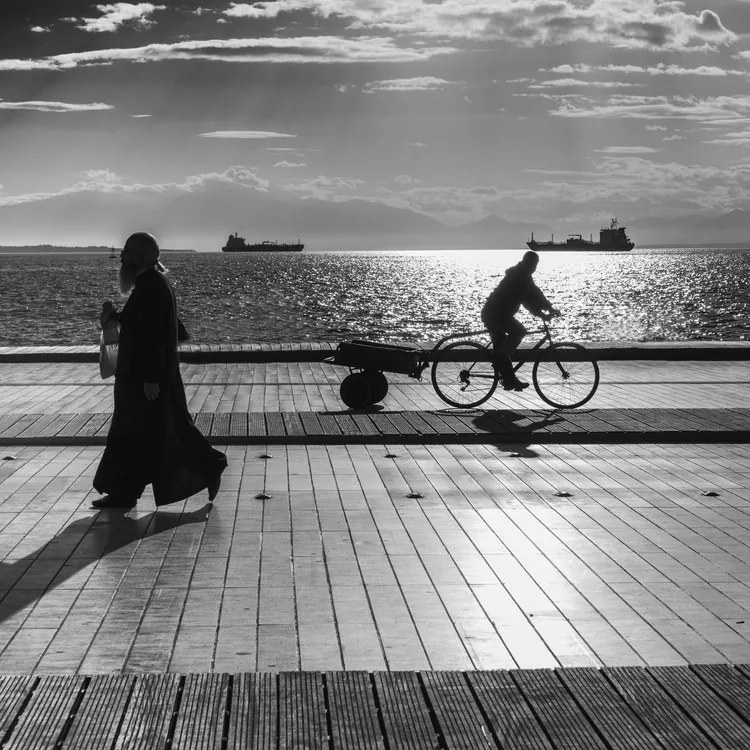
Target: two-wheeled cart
<point>366,383</point>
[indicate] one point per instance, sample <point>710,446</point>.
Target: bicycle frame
<point>545,339</point>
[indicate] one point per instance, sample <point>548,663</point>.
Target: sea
<point>669,294</point>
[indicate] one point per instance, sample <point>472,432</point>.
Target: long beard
<point>126,277</point>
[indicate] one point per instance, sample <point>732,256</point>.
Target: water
<point>645,295</point>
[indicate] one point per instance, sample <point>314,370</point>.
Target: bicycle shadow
<point>508,421</point>
<point>81,543</point>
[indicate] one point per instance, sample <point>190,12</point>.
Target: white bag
<point>108,345</point>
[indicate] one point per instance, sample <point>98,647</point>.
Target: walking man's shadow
<point>79,544</point>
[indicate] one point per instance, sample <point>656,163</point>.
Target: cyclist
<point>516,288</point>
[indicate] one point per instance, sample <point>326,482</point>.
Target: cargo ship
<point>612,237</point>
<point>237,244</point>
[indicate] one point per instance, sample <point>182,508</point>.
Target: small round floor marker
<point>562,493</point>
<point>9,458</point>
<point>391,455</point>
<point>710,493</point>
<point>262,496</point>
<point>265,455</point>
<point>415,495</point>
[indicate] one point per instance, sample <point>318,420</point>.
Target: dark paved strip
<point>626,708</point>
<point>719,351</point>
<point>441,426</point>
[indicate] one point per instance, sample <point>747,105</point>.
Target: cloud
<point>324,188</point>
<point>417,144</point>
<point>117,15</point>
<point>654,70</point>
<point>420,83</point>
<point>627,150</point>
<point>106,181</point>
<point>140,116</point>
<point>717,108</point>
<point>248,134</point>
<point>732,139</point>
<point>289,164</point>
<point>571,82</point>
<point>40,106</point>
<point>655,24</point>
<point>320,49</point>
<point>40,29</point>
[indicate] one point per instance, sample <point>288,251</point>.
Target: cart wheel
<point>355,390</point>
<point>378,385</point>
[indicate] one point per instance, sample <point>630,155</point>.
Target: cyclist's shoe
<point>515,385</point>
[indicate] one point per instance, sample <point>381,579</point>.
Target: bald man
<point>152,438</point>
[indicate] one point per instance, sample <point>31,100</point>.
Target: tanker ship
<point>612,237</point>
<point>237,244</point>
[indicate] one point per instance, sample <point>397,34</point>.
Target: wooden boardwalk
<point>627,708</point>
<point>447,425</point>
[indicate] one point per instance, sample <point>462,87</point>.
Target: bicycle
<point>565,375</point>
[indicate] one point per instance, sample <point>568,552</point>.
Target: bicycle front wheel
<point>569,378</point>
<point>461,377</point>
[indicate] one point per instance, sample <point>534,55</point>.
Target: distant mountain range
<point>204,218</point>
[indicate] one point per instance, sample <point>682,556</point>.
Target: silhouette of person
<point>152,438</point>
<point>516,288</point>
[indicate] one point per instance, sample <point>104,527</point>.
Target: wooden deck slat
<point>149,712</point>
<point>44,718</point>
<point>328,424</point>
<point>608,712</point>
<point>656,709</point>
<point>275,424</point>
<point>21,424</point>
<point>254,712</point>
<point>203,421</point>
<point>560,715</point>
<point>354,718</point>
<point>13,692</point>
<point>292,423</point>
<point>238,424</point>
<point>200,721</point>
<point>302,719</point>
<point>461,722</point>
<point>705,708</point>
<point>509,714</point>
<point>97,720</point>
<point>311,423</point>
<point>405,715</point>
<point>93,425</point>
<point>256,424</point>
<point>220,425</point>
<point>731,683</point>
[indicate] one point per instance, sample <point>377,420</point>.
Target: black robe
<point>153,442</point>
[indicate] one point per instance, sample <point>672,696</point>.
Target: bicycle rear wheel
<point>569,378</point>
<point>459,379</point>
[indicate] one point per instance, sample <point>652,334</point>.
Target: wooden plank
<point>405,715</point>
<point>302,717</point>
<point>656,709</point>
<point>329,424</point>
<point>220,426</point>
<point>365,424</point>
<point>39,427</point>
<point>275,424</point>
<point>509,715</point>
<point>704,707</point>
<point>7,421</point>
<point>200,721</point>
<point>18,426</point>
<point>103,428</point>
<point>383,424</point>
<point>311,423</point>
<point>397,418</point>
<point>607,711</point>
<point>458,715</point>
<point>292,423</point>
<point>353,712</point>
<point>60,424</point>
<point>149,712</point>
<point>347,425</point>
<point>46,714</point>
<point>203,421</point>
<point>238,424</point>
<point>731,683</point>
<point>256,424</point>
<point>93,425</point>
<point>564,722</point>
<point>438,424</point>
<point>254,712</point>
<point>97,720</point>
<point>419,425</point>
<point>13,693</point>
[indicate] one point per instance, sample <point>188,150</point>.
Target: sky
<point>193,119</point>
